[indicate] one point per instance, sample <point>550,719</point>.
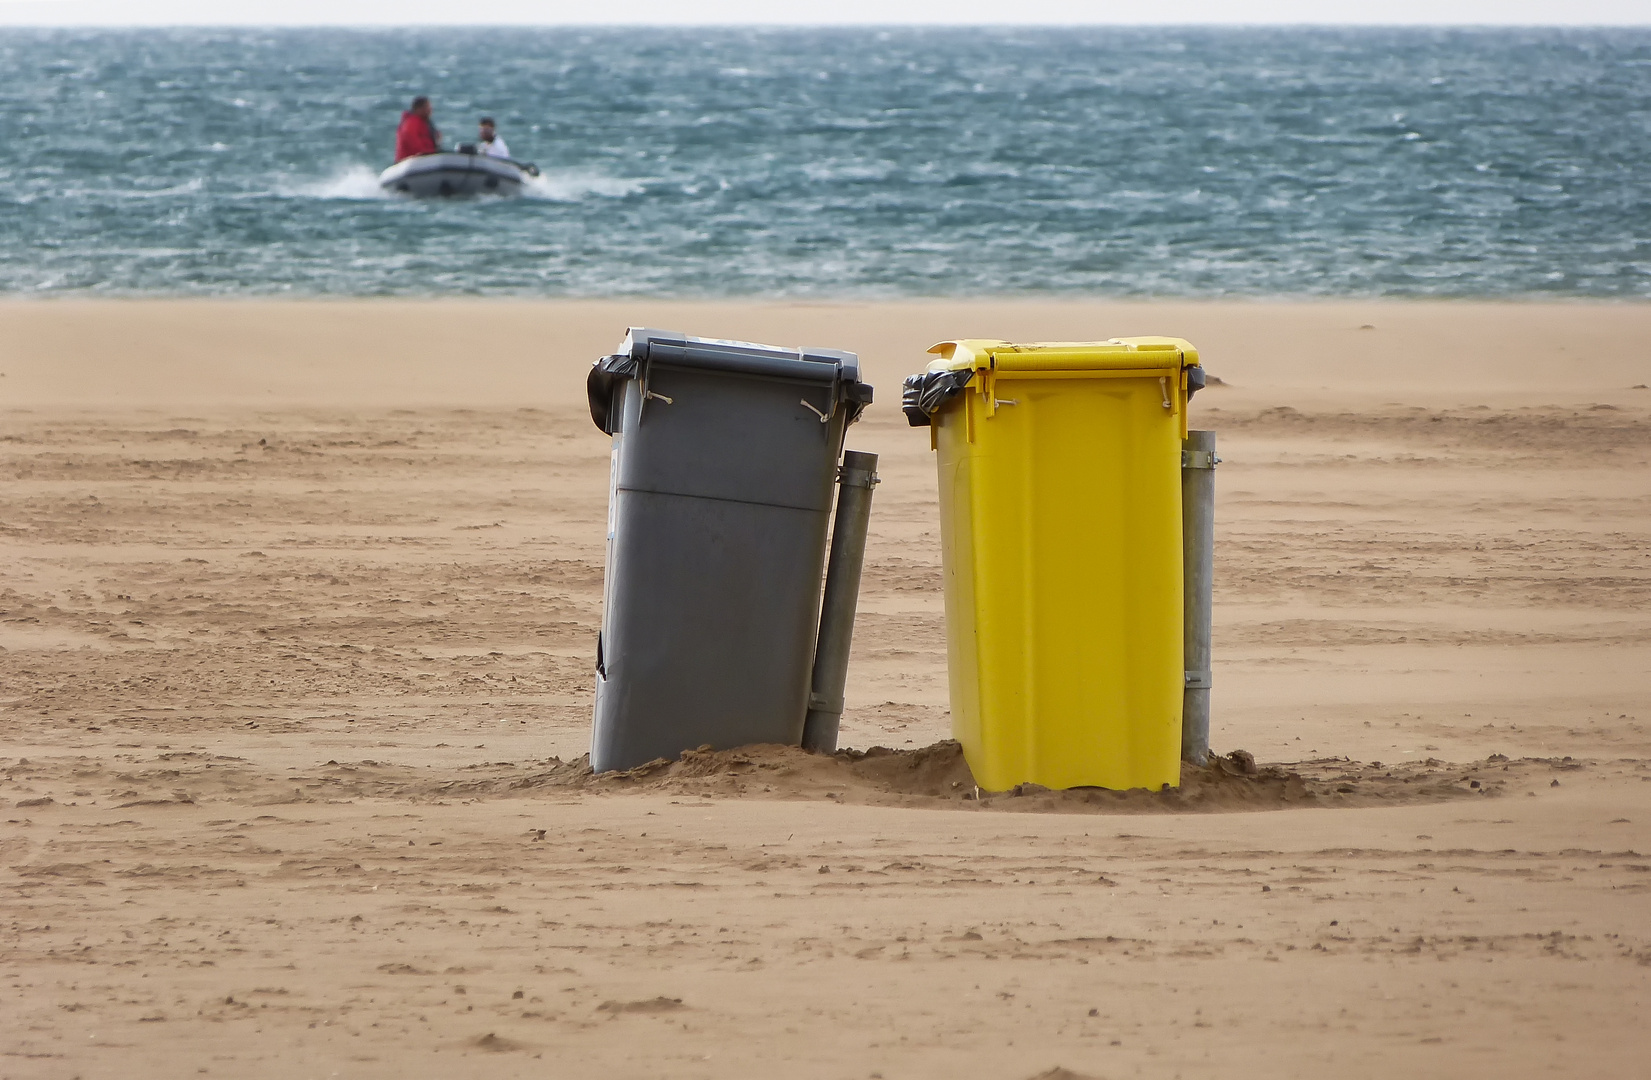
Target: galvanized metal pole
<point>1198,461</point>
<point>855,480</point>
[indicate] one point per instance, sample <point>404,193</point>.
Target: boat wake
<point>572,187</point>
<point>351,182</point>
<point>359,182</point>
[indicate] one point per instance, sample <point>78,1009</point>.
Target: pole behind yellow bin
<point>1060,499</point>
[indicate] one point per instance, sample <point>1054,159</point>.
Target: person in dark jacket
<point>417,135</point>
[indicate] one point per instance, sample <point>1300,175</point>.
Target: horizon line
<point>763,25</point>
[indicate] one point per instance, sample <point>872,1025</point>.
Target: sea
<point>1182,162</point>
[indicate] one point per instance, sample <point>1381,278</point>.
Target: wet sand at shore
<point>299,603</point>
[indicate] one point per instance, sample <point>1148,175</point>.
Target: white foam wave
<point>188,187</point>
<point>351,182</point>
<point>361,182</point>
<point>571,187</point>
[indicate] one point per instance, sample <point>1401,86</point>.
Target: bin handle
<point>642,384</point>
<point>831,393</point>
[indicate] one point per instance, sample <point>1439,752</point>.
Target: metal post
<point>1198,461</point>
<point>842,594</point>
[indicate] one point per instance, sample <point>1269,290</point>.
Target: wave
<point>187,187</point>
<point>574,186</point>
<point>357,182</point>
<point>351,182</point>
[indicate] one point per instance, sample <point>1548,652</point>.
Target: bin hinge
<point>816,703</point>
<point>1197,680</point>
<point>1199,459</point>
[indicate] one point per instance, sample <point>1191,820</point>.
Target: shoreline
<point>481,352</point>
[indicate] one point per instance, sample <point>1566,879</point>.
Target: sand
<point>297,612</point>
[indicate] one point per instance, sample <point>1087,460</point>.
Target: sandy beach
<point>297,619</point>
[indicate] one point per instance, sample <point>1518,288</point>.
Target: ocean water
<point>743,162</point>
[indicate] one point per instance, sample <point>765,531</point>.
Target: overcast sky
<point>680,12</point>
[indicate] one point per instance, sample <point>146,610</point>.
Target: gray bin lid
<point>643,348</point>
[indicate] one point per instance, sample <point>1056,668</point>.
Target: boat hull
<point>433,176</point>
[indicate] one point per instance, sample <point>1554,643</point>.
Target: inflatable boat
<point>456,173</point>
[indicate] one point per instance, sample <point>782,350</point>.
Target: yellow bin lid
<point>1118,354</point>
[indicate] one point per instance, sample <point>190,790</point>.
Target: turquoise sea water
<point>1180,162</point>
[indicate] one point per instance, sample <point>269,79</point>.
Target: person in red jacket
<point>417,135</point>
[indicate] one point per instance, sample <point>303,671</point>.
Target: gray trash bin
<point>724,461</point>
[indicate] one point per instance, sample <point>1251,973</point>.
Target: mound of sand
<point>938,774</point>
<point>935,776</point>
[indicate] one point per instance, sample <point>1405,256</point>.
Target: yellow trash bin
<point>1060,511</point>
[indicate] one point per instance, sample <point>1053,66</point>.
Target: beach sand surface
<point>298,604</point>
